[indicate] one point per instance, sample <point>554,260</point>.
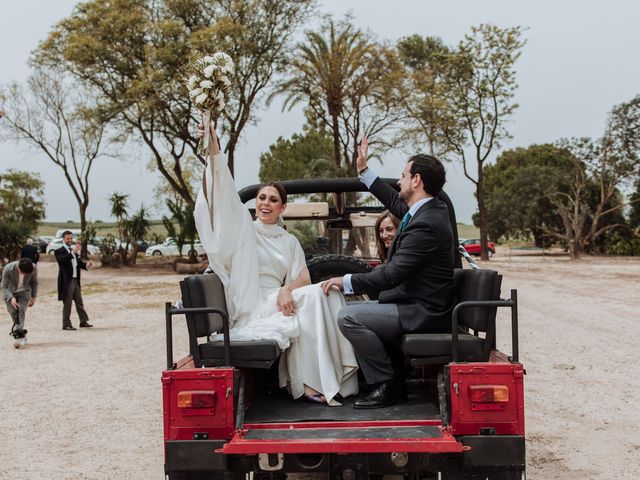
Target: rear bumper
<point>481,453</point>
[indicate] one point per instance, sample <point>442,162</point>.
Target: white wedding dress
<point>253,260</point>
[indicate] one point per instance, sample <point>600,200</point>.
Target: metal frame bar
<point>511,303</point>
<point>171,311</point>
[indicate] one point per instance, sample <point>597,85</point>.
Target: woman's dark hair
<point>431,172</point>
<point>380,246</point>
<point>278,186</point>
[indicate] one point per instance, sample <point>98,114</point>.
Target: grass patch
<point>468,231</point>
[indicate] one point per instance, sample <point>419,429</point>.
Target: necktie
<point>404,222</point>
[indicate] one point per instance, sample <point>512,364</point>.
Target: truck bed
<point>277,406</point>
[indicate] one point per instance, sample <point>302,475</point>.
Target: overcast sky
<point>581,59</point>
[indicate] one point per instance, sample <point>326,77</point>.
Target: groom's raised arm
<point>381,189</point>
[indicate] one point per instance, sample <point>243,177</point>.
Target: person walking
<point>30,251</point>
<point>69,266</point>
<point>19,291</point>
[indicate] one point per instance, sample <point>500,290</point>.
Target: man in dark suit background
<point>69,266</point>
<point>415,286</point>
<point>30,251</point>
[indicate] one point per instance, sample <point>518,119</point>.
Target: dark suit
<point>68,286</point>
<point>30,252</point>
<point>415,286</point>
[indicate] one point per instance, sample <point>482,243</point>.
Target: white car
<point>56,243</point>
<point>170,247</point>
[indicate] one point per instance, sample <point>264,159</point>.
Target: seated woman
<point>386,228</point>
<point>267,285</point>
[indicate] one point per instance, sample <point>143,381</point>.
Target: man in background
<point>69,266</point>
<point>30,252</point>
<point>19,291</point>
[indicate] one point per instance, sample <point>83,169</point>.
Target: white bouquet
<point>209,87</point>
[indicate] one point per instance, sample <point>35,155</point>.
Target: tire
<point>324,267</point>
<point>156,253</point>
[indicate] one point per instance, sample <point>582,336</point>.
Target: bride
<point>268,287</point>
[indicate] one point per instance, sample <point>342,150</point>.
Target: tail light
<point>489,393</point>
<point>196,399</point>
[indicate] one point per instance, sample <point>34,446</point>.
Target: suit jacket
<point>418,275</point>
<point>30,252</point>
<point>10,278</point>
<point>65,270</point>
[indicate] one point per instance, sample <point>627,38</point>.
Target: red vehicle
<point>225,417</point>
<point>473,247</point>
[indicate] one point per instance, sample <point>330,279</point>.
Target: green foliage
<point>21,199</point>
<point>181,225</point>
<point>13,235</point>
<point>304,231</point>
<point>134,55</point>
<point>304,155</point>
<point>343,77</point>
<point>516,189</point>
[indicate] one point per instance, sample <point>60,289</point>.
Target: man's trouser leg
<point>77,298</point>
<point>66,304</point>
<point>18,314</point>
<point>368,326</point>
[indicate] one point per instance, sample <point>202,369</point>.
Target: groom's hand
<point>363,151</point>
<point>327,285</point>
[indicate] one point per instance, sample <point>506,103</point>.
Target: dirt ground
<point>86,404</point>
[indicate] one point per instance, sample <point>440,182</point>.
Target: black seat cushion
<point>255,351</point>
<point>439,345</point>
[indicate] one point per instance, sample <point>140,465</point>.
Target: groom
<point>415,285</point>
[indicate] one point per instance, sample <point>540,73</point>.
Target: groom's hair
<point>431,172</point>
<point>278,186</point>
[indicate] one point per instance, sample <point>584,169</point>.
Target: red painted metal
<point>446,443</point>
<point>468,417</point>
<point>183,423</point>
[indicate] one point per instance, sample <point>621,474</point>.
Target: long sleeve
<point>34,283</point>
<point>7,294</point>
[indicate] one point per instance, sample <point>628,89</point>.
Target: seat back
<point>477,285</point>
<point>203,291</point>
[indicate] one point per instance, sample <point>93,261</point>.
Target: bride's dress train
<point>253,260</point>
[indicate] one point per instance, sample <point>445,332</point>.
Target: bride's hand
<point>215,143</point>
<point>285,302</point>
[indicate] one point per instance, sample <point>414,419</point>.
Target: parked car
<point>56,243</point>
<point>473,247</point>
<point>142,246</point>
<point>42,242</point>
<point>170,247</point>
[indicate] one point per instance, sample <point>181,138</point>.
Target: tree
<point>51,117</point>
<point>479,90</point>
<point>348,83</point>
<point>426,80</point>
<point>138,226</point>
<point>21,199</point>
<point>130,228</point>
<point>181,225</point>
<point>304,155</point>
<point>134,54</point>
<point>516,189</point>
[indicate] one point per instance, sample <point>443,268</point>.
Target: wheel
<point>327,266</point>
<point>491,253</point>
<point>156,253</point>
<point>324,267</point>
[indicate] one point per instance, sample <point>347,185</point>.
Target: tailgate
<point>365,438</point>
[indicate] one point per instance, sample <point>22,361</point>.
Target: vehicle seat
<point>207,291</point>
<point>436,348</point>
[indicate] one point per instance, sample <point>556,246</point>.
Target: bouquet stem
<point>203,145</point>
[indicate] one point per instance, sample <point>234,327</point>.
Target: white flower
<point>225,80</point>
<point>228,68</point>
<point>207,59</point>
<point>206,84</point>
<point>208,70</point>
<point>200,99</point>
<point>193,81</point>
<point>195,92</point>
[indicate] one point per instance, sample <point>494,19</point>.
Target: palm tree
<point>138,226</point>
<point>119,205</point>
<point>325,71</point>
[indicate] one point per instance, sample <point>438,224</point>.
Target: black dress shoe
<point>69,327</point>
<point>384,395</point>
<point>86,325</point>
